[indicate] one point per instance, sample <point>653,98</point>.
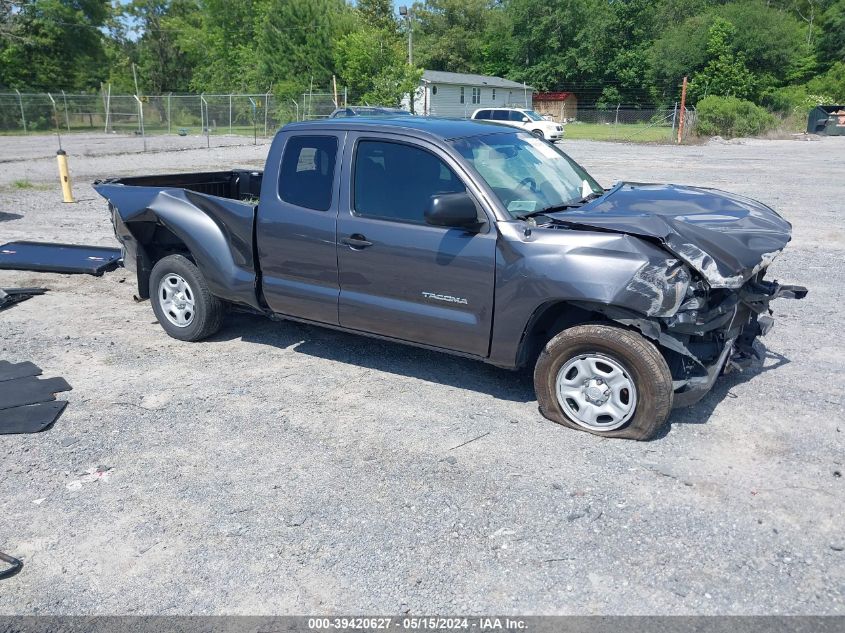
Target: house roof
<point>466,79</point>
<point>552,96</point>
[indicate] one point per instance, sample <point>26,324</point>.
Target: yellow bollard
<point>64,176</point>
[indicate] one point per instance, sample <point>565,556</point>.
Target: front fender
<point>554,266</point>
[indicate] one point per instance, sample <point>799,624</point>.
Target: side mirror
<point>452,209</point>
<point>525,119</point>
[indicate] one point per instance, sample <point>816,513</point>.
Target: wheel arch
<point>549,319</point>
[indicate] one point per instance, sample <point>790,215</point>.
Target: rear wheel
<point>182,302</point>
<point>604,380</point>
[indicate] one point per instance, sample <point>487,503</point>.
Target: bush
<point>731,117</point>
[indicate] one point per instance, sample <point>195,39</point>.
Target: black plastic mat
<point>10,371</point>
<point>29,390</point>
<point>32,418</point>
<point>51,257</point>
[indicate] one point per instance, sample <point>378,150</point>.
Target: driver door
<point>400,277</point>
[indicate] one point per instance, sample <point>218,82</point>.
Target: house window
<point>494,94</point>
<point>476,95</point>
<point>462,94</point>
<point>434,90</point>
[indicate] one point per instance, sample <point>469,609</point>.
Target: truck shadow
<point>444,369</point>
<point>385,356</point>
<point>700,412</point>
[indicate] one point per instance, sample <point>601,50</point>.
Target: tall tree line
<point>630,52</point>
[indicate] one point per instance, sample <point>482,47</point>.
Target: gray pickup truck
<point>472,239</point>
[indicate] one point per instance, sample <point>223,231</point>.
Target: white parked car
<point>522,118</point>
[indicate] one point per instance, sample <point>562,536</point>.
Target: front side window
<point>525,173</point>
<point>394,181</point>
<point>515,115</point>
<point>306,178</point>
<point>476,95</point>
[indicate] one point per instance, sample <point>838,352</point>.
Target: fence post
<point>23,116</point>
<point>204,104</point>
<point>202,114</point>
<point>56,120</point>
<point>683,109</point>
<point>266,108</point>
<point>616,121</point>
<point>230,113</point>
<point>107,104</point>
<point>169,118</point>
<point>674,116</point>
<point>67,119</point>
<point>141,120</point>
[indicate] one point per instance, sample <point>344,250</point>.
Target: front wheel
<point>538,133</point>
<point>183,304</point>
<point>604,380</point>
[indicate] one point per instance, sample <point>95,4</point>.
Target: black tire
<point>206,318</point>
<point>539,134</point>
<point>638,358</point>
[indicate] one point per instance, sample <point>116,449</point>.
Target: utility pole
<point>408,13</point>
<point>683,110</point>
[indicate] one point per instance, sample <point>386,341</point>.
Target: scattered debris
<point>100,473</point>
<point>11,296</point>
<point>472,440</point>
<point>28,403</point>
<point>15,566</point>
<point>49,257</point>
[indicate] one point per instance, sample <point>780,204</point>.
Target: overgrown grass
<point>633,132</point>
<point>22,184</point>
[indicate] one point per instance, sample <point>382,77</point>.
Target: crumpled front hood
<point>725,237</point>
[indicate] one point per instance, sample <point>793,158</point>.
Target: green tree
<point>831,42</point>
<point>770,41</point>
<point>53,44</point>
<point>378,14</point>
<point>450,34</point>
<point>372,63</point>
<point>296,42</point>
<point>725,73</point>
<point>162,65</point>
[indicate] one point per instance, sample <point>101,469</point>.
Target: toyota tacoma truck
<point>468,238</point>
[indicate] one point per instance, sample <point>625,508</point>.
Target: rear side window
<point>500,115</point>
<point>483,114</point>
<point>307,174</point>
<point>394,181</point>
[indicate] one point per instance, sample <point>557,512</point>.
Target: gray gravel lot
<point>281,468</point>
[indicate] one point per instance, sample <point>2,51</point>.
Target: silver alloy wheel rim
<point>176,299</point>
<point>596,392</point>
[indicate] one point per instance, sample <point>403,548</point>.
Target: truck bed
<point>237,184</point>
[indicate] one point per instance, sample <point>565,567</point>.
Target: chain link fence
<point>260,115</point>
<point>245,114</point>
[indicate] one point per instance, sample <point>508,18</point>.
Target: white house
<point>460,94</point>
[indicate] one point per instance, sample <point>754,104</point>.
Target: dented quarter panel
<point>217,232</point>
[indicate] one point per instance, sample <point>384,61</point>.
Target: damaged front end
<point>712,332</point>
<point>707,308</point>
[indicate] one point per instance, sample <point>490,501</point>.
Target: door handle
<point>356,240</point>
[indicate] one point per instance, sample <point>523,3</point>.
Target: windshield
<point>533,115</point>
<point>527,174</point>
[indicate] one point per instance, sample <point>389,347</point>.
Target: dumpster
<point>827,119</point>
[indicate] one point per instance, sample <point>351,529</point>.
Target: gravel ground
<point>280,468</point>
